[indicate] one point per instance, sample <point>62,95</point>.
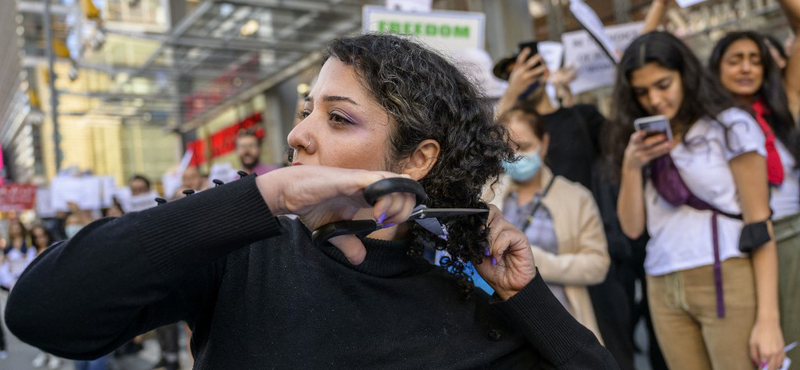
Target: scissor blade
<point>447,212</point>
<point>432,225</point>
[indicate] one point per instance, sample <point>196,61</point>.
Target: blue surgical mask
<point>72,230</point>
<point>525,167</point>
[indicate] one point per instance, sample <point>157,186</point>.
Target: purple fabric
<point>261,169</point>
<point>669,184</point>
<point>717,268</point>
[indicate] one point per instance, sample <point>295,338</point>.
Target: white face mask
<point>72,230</point>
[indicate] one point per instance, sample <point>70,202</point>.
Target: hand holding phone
<point>654,125</point>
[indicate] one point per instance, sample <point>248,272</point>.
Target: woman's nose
<point>300,139</point>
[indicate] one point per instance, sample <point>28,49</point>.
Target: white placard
<point>136,203</point>
<point>410,5</point>
<point>592,23</point>
<point>552,53</point>
<point>86,192</point>
<point>594,69</point>
<point>171,182</point>
<point>44,208</point>
<point>223,172</point>
<point>441,30</point>
<point>688,3</point>
<point>109,188</point>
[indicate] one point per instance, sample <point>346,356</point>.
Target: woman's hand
<point>641,150</point>
<point>508,266</point>
<point>766,344</point>
<point>320,195</point>
<point>526,73</point>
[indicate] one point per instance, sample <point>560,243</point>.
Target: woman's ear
<point>545,145</point>
<point>422,160</point>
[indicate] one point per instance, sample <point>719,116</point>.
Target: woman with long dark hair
<point>259,293</point>
<point>703,199</point>
<point>745,66</point>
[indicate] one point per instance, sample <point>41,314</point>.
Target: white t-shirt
<point>785,199</point>
<point>681,237</point>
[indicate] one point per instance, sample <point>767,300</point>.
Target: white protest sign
<point>441,30</point>
<point>410,5</point>
<point>592,23</point>
<point>136,203</point>
<point>86,192</point>
<point>594,69</point>
<point>172,182</point>
<point>552,52</point>
<point>688,3</point>
<point>44,207</point>
<point>223,172</point>
<point>108,187</point>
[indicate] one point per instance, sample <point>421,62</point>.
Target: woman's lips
<point>296,164</point>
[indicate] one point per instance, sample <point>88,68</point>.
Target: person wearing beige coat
<point>582,254</point>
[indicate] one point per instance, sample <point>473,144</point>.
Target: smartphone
<point>530,45</point>
<point>533,46</point>
<point>654,125</point>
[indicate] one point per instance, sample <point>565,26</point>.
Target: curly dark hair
<point>702,96</point>
<point>771,90</point>
<point>429,98</point>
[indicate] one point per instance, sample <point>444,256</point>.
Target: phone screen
<point>654,125</point>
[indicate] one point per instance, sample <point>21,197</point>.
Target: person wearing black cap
<point>575,154</point>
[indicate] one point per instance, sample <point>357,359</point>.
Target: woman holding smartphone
<point>713,305</point>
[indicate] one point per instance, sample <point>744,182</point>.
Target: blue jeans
<point>99,364</point>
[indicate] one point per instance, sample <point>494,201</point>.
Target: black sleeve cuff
<point>549,327</point>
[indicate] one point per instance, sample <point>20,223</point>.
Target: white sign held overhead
<point>410,5</point>
<point>594,69</point>
<point>552,52</point>
<point>587,17</point>
<point>441,30</point>
<point>141,202</point>
<point>688,3</point>
<point>86,192</point>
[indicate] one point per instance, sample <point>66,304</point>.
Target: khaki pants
<point>684,311</point>
<point>787,236</point>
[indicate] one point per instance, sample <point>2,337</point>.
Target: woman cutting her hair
<point>258,293</point>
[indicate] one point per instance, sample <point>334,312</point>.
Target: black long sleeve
<point>118,278</point>
<point>258,293</point>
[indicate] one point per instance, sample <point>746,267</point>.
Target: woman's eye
<point>640,92</point>
<point>303,114</point>
<point>339,120</point>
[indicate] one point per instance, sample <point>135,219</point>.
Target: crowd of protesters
<point>704,216</point>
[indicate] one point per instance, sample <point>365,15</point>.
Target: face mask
<point>72,230</point>
<point>525,167</point>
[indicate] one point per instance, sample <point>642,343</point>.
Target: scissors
<point>426,217</point>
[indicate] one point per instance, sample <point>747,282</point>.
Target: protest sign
<point>688,3</point>
<point>141,202</point>
<point>587,17</point>
<point>594,69</point>
<point>441,30</point>
<point>86,192</point>
<point>17,197</point>
<point>410,5</point>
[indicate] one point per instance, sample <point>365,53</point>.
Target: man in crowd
<point>139,185</point>
<point>248,148</point>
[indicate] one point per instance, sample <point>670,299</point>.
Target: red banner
<point>223,141</point>
<point>17,197</point>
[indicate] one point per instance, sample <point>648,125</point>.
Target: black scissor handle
<point>360,228</point>
<point>394,185</point>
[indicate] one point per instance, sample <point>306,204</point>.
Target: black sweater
<point>258,294</point>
